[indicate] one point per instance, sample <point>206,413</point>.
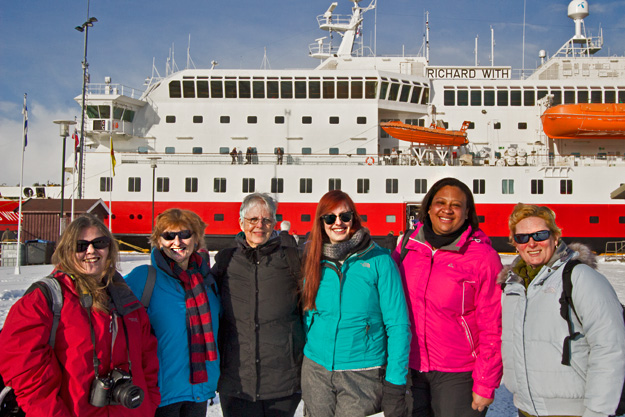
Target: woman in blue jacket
<point>358,331</point>
<point>184,312</point>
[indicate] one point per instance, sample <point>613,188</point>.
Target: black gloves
<point>396,400</point>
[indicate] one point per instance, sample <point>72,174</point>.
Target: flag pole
<point>19,219</point>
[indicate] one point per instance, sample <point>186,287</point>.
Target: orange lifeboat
<point>433,135</point>
<point>585,121</point>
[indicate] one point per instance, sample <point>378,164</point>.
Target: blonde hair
<point>184,219</point>
<point>64,259</point>
<point>523,211</point>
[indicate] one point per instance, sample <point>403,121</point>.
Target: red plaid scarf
<point>202,345</point>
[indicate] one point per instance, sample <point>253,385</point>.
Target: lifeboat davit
<point>585,121</point>
<point>433,135</point>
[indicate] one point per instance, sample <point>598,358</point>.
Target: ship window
<point>305,185</point>
<point>370,89</point>
<point>306,120</point>
<point>279,120</point>
<point>481,219</point>
<point>449,98</point>
<point>557,97</point>
<point>405,93</point>
<point>425,97</point>
<point>244,89</point>
<point>610,97</point>
<point>217,89</point>
<point>202,89</point>
<point>394,90</point>
<point>522,126</point>
<point>278,217</point>
<point>170,150</point>
<point>249,185</point>
<point>392,186</point>
<point>334,184</point>
<point>357,89</point>
<point>142,149</point>
<point>224,150</point>
<point>416,92</point>
<point>162,184</point>
<point>391,218</point>
<point>420,186</point>
<point>582,96</point>
<point>334,120</point>
<point>258,89</point>
<point>272,89</point>
<point>507,186</point>
<point>117,113</point>
<point>328,89</point>
<point>621,219</point>
<point>361,151</point>
<point>479,186</point>
<point>596,97</point>
<point>502,97</point>
<point>463,98</point>
<point>471,126</point>
<point>106,184</point>
<point>361,120</point>
<point>314,89</point>
<point>362,186</point>
<point>190,185</point>
<point>134,184</point>
<point>446,125</point>
<point>252,120</point>
<point>569,97</point>
<point>170,119</point>
<point>594,219</point>
<point>540,94</point>
<point>198,119</point>
<point>224,119</point>
<point>476,97</point>
<point>334,151</point>
<point>383,90</point>
<point>219,185</point>
<point>342,89</point>
<point>489,98</point>
<point>188,89</point>
<point>621,96</point>
<point>99,112</point>
<point>536,186</point>
<point>566,186</point>
<point>230,88</point>
<point>515,98</point>
<point>363,217</point>
<point>528,98</point>
<point>128,115</point>
<point>218,217</point>
<point>306,151</point>
<point>305,218</point>
<point>174,89</point>
<point>277,185</point>
<point>286,89</point>
<point>300,89</point>
<point>196,150</point>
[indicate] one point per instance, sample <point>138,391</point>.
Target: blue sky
<point>41,52</point>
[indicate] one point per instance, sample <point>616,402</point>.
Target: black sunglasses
<point>537,236</point>
<point>331,218</point>
<point>98,243</point>
<point>183,234</point>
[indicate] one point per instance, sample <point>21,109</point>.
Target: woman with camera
<point>103,359</point>
<point>184,311</point>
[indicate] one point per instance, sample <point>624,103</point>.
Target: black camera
<point>115,389</point>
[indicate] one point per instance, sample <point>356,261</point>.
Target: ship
<point>203,139</point>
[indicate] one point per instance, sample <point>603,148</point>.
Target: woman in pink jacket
<point>449,271</point>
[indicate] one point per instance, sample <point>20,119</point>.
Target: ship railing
<point>114,89</point>
<point>615,251</point>
<point>335,19</point>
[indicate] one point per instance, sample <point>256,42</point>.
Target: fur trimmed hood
<point>563,253</point>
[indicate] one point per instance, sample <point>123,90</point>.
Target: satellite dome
<point>578,9</point>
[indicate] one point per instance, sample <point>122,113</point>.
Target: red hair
<point>316,239</point>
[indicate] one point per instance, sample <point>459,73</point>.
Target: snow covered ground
<point>12,287</point>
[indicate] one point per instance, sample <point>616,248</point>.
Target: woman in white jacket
<point>534,332</point>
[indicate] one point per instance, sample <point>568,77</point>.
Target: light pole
<point>153,163</point>
<point>64,127</point>
<point>83,28</point>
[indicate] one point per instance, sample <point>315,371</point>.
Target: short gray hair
<point>256,199</point>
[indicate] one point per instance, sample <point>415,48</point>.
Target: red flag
<point>76,139</point>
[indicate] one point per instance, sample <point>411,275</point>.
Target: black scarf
<point>438,241</point>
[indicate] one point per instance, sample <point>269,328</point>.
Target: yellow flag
<point>113,162</point>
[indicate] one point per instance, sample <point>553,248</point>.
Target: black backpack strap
<point>566,301</point>
<point>51,289</point>
<point>149,287</point>
<point>404,241</point>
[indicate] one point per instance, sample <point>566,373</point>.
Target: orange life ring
<point>370,160</point>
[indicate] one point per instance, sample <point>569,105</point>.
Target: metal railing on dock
<point>615,251</point>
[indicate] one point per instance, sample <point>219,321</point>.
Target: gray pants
<point>340,393</point>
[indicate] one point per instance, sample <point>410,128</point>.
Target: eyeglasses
<point>331,218</point>
<point>255,220</point>
<point>183,234</point>
<point>537,236</point>
<point>98,243</point>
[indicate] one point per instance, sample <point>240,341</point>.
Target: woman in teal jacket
<point>184,312</point>
<point>358,331</point>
